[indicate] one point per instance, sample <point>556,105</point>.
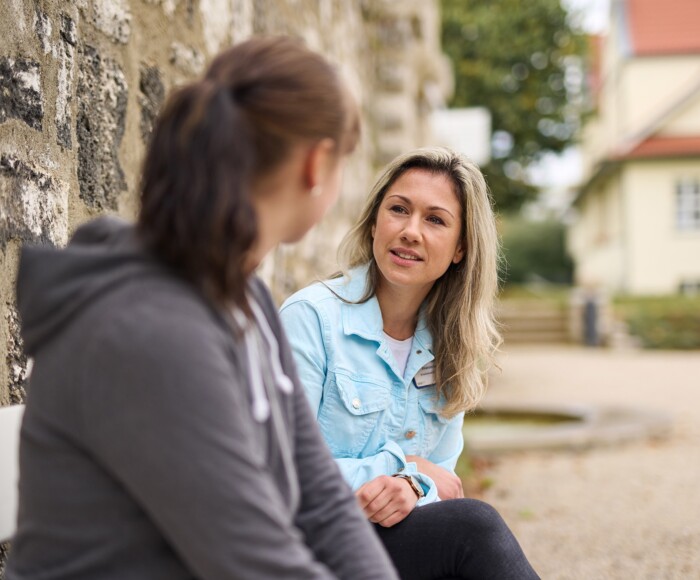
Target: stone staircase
<point>533,322</point>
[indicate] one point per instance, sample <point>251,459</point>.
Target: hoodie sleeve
<point>168,418</point>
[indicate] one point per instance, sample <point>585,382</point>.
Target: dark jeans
<point>458,538</point>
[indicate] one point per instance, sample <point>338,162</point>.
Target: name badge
<point>425,376</point>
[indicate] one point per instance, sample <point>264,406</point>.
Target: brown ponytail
<point>215,136</point>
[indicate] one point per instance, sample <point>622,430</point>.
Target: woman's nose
<point>411,231</point>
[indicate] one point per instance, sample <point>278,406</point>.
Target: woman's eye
<point>436,220</point>
<point>397,209</point>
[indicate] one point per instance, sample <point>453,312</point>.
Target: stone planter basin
<point>495,429</point>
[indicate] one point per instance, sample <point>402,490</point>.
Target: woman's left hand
<point>386,500</point>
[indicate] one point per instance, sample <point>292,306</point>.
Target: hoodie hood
<point>54,285</point>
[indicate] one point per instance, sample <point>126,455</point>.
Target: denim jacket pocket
<point>350,411</point>
<point>434,424</point>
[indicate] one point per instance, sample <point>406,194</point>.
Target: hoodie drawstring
<point>265,404</point>
<point>260,404</point>
<point>283,382</point>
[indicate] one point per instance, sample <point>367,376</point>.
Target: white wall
<point>660,256</point>
<point>650,86</point>
<point>626,239</point>
<point>596,240</point>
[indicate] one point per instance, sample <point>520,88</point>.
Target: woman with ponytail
<point>396,348</point>
<point>166,434</point>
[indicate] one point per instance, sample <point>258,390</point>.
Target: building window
<point>688,204</point>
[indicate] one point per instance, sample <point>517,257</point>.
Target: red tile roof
<point>663,147</point>
<point>664,26</point>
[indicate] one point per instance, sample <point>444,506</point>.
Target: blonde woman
<point>395,349</point>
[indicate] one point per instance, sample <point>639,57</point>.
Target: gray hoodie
<point>146,453</point>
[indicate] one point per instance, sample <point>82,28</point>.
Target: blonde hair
<point>459,307</point>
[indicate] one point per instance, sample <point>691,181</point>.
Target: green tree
<point>534,249</point>
<point>524,62</point>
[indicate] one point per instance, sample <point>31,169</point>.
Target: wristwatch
<point>415,486</point>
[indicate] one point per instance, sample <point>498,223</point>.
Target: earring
<point>316,191</point>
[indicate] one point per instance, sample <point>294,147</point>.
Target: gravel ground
<point>630,511</point>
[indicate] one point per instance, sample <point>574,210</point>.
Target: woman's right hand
<point>449,486</point>
<point>386,500</point>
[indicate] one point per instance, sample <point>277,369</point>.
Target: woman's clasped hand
<point>386,500</point>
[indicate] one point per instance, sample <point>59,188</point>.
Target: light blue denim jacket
<point>370,414</point>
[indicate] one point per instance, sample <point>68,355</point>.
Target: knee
<point>488,543</point>
<point>479,518</point>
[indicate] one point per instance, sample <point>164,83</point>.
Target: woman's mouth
<point>405,255</point>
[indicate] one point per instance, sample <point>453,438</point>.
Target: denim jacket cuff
<point>428,485</point>
<point>396,454</point>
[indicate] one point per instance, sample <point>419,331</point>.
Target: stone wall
<point>81,83</point>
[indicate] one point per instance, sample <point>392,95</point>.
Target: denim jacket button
<point>356,403</point>
<point>410,434</point>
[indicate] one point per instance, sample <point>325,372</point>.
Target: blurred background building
<point>466,130</point>
<point>638,226</point>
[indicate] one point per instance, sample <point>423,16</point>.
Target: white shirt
<point>400,349</point>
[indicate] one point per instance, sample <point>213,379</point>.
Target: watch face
<point>417,486</point>
<point>413,482</point>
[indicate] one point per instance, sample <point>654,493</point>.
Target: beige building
<point>638,211</point>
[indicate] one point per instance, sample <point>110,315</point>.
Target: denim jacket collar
<point>365,319</point>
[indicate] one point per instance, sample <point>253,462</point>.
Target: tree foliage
<point>534,250</point>
<point>524,62</point>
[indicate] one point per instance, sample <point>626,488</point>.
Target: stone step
<point>533,324</point>
<point>523,322</point>
<point>535,337</point>
<point>530,313</point>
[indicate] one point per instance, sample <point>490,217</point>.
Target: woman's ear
<point>319,162</point>
<point>459,254</point>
